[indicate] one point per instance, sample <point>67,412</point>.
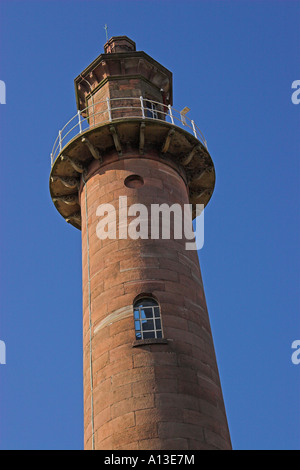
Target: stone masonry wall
<point>155,396</point>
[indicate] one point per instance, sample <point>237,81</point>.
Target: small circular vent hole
<point>134,181</point>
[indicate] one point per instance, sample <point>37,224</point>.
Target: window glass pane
<point>146,313</point>
<point>148,325</point>
<point>147,318</point>
<point>145,303</point>
<point>149,334</point>
<point>142,313</point>
<point>156,312</point>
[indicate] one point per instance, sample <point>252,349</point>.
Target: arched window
<point>147,319</point>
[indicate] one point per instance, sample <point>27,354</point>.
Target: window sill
<point>143,342</point>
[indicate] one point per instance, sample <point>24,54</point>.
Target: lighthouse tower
<point>150,374</point>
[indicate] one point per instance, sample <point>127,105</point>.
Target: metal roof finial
<point>105,27</point>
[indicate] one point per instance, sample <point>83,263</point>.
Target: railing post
<point>59,141</point>
<point>142,106</point>
<point>108,108</point>
<point>79,121</point>
<point>194,129</point>
<point>171,114</point>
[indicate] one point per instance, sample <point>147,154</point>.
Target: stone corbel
<point>196,197</point>
<point>122,63</point>
<point>199,175</point>
<point>93,150</point>
<point>76,217</point>
<point>140,64</point>
<point>152,73</point>
<point>77,165</point>
<point>142,138</point>
<point>67,181</point>
<point>189,157</point>
<point>69,199</point>
<point>116,139</point>
<point>167,141</point>
<point>105,68</point>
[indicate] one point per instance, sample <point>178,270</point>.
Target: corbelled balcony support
<point>167,141</point>
<point>67,181</point>
<point>116,140</point>
<point>142,138</point>
<point>94,151</point>
<point>77,165</point>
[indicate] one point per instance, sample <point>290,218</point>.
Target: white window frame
<point>140,319</point>
<point>151,109</point>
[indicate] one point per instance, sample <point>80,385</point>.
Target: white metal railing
<point>132,108</point>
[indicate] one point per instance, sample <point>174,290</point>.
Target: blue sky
<point>233,64</point>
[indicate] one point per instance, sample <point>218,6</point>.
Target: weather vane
<point>105,27</point>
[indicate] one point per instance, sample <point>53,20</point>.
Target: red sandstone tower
<point>150,374</point>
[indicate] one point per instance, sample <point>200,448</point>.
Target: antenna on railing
<point>183,113</point>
